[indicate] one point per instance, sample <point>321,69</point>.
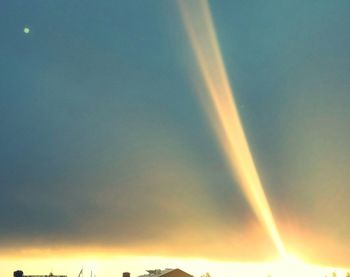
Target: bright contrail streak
<point>221,107</point>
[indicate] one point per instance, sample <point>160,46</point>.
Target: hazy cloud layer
<point>104,143</point>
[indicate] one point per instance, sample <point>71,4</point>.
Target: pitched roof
<point>159,273</point>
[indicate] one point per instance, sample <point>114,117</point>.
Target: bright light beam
<point>220,105</point>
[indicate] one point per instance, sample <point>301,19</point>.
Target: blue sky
<point>102,135</point>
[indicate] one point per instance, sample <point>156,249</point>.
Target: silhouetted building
<point>19,273</point>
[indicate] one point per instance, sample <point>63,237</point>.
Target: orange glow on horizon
<point>115,265</point>
<point>220,106</point>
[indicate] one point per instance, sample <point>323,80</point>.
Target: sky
<point>107,150</point>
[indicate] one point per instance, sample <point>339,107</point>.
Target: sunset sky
<point>107,153</point>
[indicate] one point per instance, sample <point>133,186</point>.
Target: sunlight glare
<point>221,107</point>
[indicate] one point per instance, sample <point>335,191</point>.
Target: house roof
<point>159,273</point>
